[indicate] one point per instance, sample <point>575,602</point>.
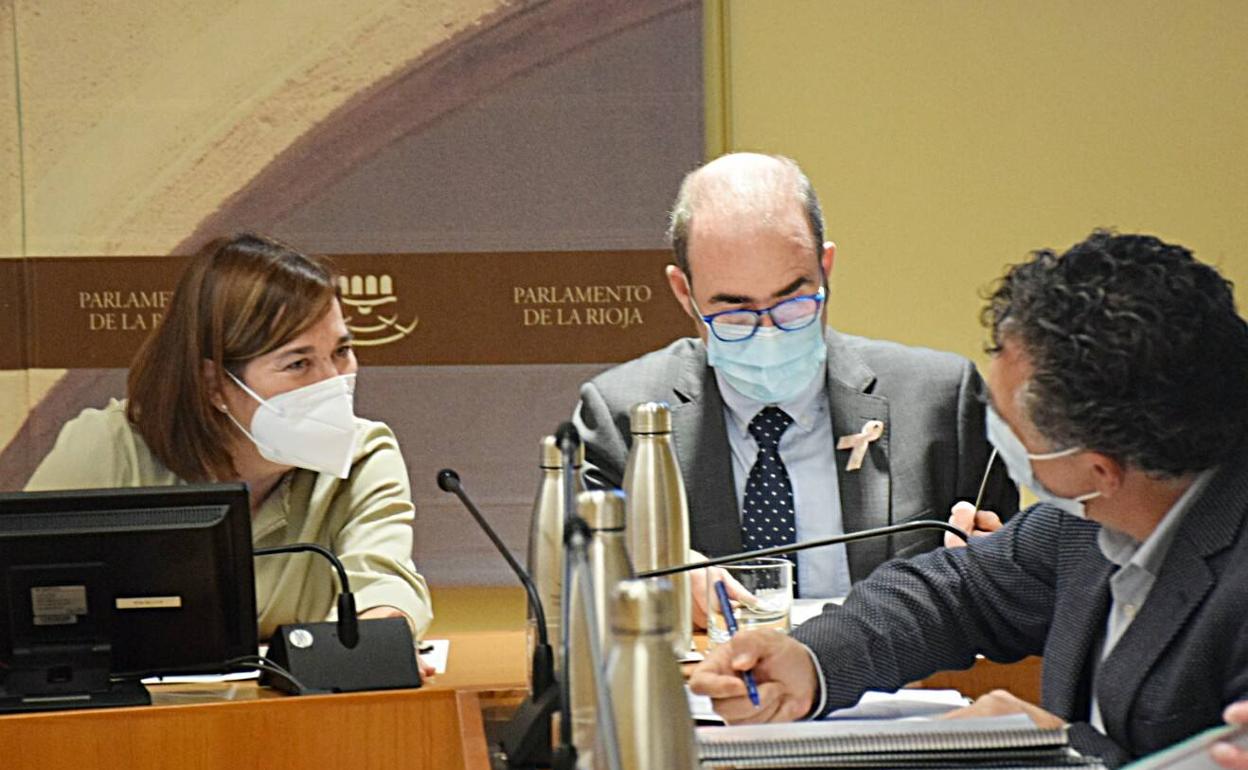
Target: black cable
<point>780,550</point>
<point>264,664</point>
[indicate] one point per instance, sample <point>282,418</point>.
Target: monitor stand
<point>71,676</point>
<point>124,692</point>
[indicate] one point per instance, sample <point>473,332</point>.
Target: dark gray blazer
<point>931,455</point>
<point>1040,586</point>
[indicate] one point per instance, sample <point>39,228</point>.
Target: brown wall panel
<point>12,314</point>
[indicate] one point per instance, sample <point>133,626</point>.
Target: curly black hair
<point>1137,348</point>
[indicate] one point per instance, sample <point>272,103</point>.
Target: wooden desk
<point>240,725</point>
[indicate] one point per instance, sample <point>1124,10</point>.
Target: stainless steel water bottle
<point>546,542</point>
<point>654,725</point>
<point>603,512</point>
<point>658,514</point>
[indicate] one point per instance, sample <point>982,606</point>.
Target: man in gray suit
<point>855,433</point>
<point>1119,391</point>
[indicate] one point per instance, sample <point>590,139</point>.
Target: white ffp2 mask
<point>312,427</point>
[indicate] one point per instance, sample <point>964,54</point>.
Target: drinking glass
<point>769,583</point>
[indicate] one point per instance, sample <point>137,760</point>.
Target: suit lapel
<point>1184,582</point>
<point>867,490</point>
<point>701,441</point>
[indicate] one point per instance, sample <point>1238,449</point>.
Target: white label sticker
<point>57,605</point>
<point>147,602</point>
<point>55,620</point>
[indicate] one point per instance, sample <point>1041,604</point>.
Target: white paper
<point>903,704</point>
<point>701,709</point>
<point>805,609</point>
<point>233,676</point>
<point>438,656</point>
<point>912,703</point>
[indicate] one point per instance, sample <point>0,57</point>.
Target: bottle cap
<point>650,417</point>
<point>601,508</point>
<point>642,606</point>
<point>552,456</point>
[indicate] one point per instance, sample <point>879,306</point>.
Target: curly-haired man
<point>1119,395</point>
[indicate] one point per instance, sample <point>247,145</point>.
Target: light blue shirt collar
<point>808,406</point>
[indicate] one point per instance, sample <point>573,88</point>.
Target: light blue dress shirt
<point>808,450</point>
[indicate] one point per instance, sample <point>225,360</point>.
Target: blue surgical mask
<point>774,365</point>
<point>1018,462</point>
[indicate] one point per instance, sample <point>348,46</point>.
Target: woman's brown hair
<point>240,297</point>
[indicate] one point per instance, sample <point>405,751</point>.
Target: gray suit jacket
<point>931,455</point>
<point>1040,586</point>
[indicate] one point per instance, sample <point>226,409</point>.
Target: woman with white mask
<point>250,376</point>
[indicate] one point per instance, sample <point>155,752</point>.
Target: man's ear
<point>679,283</point>
<point>828,258</point>
<point>1109,473</point>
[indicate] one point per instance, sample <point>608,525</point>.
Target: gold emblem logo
<point>368,299</point>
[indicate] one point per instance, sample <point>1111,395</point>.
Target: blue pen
<point>730,620</point>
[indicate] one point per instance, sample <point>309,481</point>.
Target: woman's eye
<point>298,365</point>
<point>343,351</point>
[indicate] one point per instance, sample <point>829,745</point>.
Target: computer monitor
<point>99,588</point>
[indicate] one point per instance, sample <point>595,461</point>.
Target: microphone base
<point>526,738</point>
<point>383,659</point>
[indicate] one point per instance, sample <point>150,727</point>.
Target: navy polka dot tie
<point>767,517</point>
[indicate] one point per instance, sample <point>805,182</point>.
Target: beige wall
<point>142,117</point>
<point>947,139</point>
<point>10,158</point>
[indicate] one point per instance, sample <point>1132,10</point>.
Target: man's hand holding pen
<point>783,668</point>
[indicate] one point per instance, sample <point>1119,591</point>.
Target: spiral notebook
<point>1006,742</point>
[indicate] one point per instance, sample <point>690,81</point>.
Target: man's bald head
<point>748,189</point>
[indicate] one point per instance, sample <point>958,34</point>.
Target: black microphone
<point>568,438</point>
<point>448,481</point>
<point>348,623</point>
<point>526,738</point>
<point>780,550</point>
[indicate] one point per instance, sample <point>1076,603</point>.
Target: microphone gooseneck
<point>781,550</point>
<point>348,623</point>
<point>448,481</point>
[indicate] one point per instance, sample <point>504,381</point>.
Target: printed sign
<point>404,309</point>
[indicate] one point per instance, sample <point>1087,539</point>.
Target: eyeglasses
<point>788,315</point>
